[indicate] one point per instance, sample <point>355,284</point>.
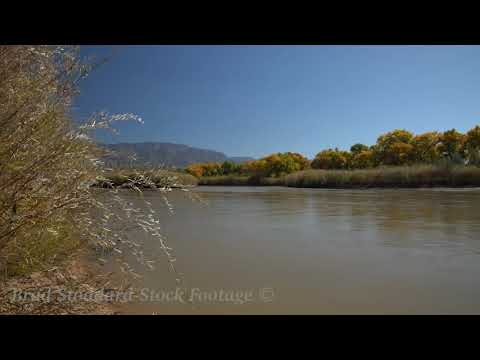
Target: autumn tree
<point>275,165</point>
<point>394,148</point>
<point>472,146</point>
<point>451,144</point>
<point>280,164</point>
<point>362,160</point>
<point>229,167</point>
<point>196,170</point>
<point>213,169</point>
<point>255,168</point>
<point>425,148</point>
<point>358,148</point>
<point>331,159</point>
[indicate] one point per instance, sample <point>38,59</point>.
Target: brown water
<point>316,251</point>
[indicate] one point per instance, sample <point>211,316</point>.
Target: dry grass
<point>235,180</point>
<point>400,176</point>
<point>48,164</point>
<point>73,275</point>
<point>230,180</point>
<point>142,178</point>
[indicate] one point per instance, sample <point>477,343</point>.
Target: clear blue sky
<point>256,100</point>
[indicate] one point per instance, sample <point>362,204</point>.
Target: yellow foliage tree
<point>362,160</point>
<point>275,165</point>
<point>394,148</point>
<point>254,167</point>
<point>280,164</point>
<point>331,159</point>
<point>451,143</point>
<point>425,148</point>
<point>472,145</point>
<point>196,170</point>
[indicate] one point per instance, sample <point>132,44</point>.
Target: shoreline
<point>416,176</point>
<point>41,292</point>
<point>353,187</point>
<point>413,176</point>
<point>325,187</point>
<point>338,187</point>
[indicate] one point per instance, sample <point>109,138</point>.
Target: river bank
<point>382,177</point>
<point>66,289</point>
<point>128,178</point>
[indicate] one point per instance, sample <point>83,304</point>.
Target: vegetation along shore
<point>398,159</point>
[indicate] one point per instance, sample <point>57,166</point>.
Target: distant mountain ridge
<point>163,154</point>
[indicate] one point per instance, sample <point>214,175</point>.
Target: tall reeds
<point>395,176</point>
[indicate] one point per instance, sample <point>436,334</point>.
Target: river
<point>276,250</point>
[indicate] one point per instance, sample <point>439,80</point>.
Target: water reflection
<point>406,217</point>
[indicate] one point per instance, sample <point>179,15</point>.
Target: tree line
<point>396,148</point>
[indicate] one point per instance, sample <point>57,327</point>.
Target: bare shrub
<point>48,164</point>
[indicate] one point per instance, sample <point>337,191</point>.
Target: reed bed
<point>235,180</point>
<point>393,177</point>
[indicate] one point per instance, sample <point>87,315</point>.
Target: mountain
<point>162,154</point>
